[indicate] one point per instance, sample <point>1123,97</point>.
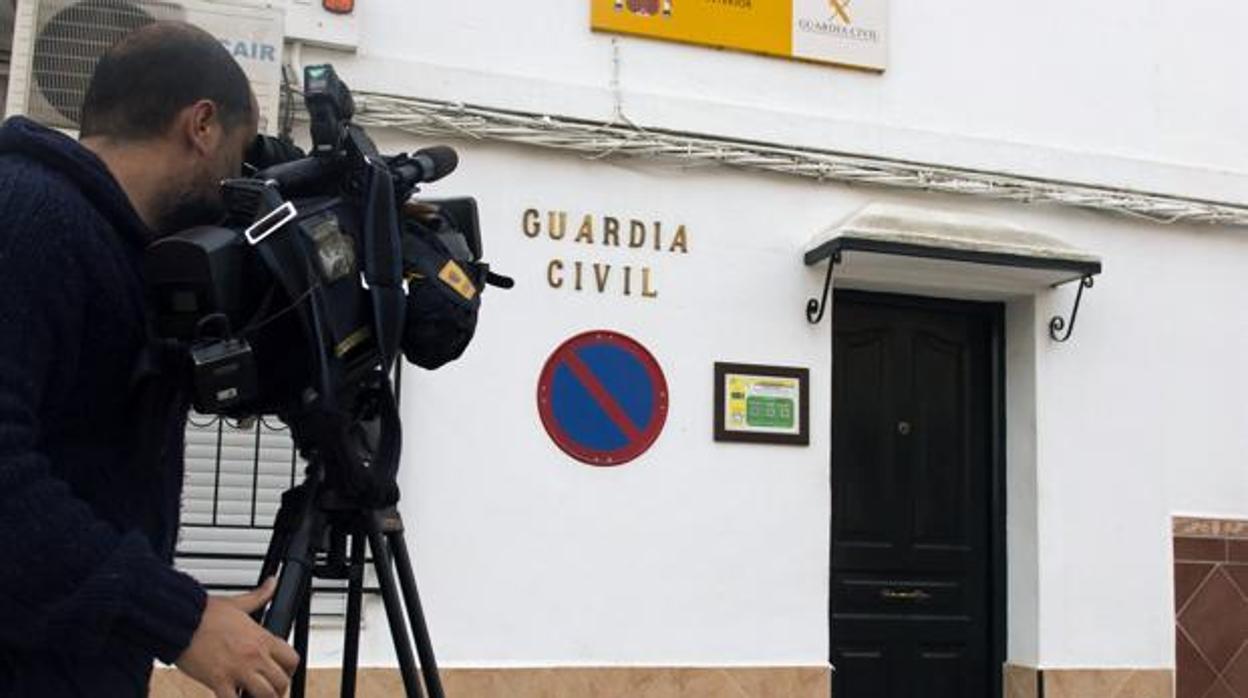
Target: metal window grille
<point>235,476</point>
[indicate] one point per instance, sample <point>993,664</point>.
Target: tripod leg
<point>394,607</point>
<point>297,564</point>
<point>299,682</point>
<point>273,555</point>
<point>284,524</point>
<point>355,594</point>
<point>415,614</point>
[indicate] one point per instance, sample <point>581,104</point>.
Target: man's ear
<point>202,126</point>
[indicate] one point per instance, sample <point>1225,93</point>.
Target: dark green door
<point>912,475</point>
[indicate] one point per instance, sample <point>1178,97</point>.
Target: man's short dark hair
<point>153,73</point>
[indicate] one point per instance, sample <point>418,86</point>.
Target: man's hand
<point>230,652</point>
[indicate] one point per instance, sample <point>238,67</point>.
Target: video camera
<point>324,269</point>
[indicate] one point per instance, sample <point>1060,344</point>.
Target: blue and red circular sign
<point>602,398</point>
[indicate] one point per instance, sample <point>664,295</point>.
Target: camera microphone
<point>428,164</point>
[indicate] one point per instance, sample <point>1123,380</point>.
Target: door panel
<point>866,671</point>
<point>940,445</point>
<point>866,496</point>
<point>911,473</point>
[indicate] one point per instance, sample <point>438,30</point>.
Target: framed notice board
<point>762,404</point>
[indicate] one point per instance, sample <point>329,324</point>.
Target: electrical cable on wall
<point>439,119</point>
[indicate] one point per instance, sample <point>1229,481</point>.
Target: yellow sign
<point>455,277</point>
<point>848,32</point>
<point>763,403</point>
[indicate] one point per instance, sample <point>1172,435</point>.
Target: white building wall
<point>1117,92</point>
<point>702,553</point>
<point>1141,416</point>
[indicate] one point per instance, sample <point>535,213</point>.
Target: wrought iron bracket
<point>1058,323</point>
<point>815,307</point>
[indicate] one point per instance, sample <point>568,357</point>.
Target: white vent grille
<point>57,44</point>
<point>71,38</point>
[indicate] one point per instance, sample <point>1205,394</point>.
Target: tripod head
<point>354,450</point>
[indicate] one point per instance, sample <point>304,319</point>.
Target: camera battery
<point>225,375</point>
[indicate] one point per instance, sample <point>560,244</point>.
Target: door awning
<point>897,247</point>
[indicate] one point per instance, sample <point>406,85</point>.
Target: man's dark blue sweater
<point>87,524</point>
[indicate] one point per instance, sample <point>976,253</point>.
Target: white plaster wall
<point>1022,549</point>
<point>1131,92</point>
<point>696,553</point>
<point>705,553</point>
<point>1140,416</point>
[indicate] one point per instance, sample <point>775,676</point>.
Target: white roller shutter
<point>235,476</point>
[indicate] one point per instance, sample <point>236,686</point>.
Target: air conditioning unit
<point>56,44</point>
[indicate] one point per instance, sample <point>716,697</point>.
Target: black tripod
<point>310,539</point>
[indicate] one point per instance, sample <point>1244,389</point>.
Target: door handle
<point>911,595</point>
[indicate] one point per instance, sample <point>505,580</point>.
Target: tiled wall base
<point>1026,682</point>
<point>1211,607</point>
<point>1021,682</point>
<point>769,682</point>
<point>1107,683</point>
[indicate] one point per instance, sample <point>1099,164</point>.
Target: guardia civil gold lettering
<point>554,273</point>
<point>602,274</point>
<point>636,233</point>
<point>558,224</point>
<point>680,241</point>
<point>586,233</point>
<point>532,223</point>
<point>646,290</point>
<point>610,232</point>
<point>637,236</point>
<point>633,233</point>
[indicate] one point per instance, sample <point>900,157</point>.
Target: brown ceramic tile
<point>1083,683</point>
<point>634,682</point>
<point>1110,683</point>
<point>640,682</point>
<point>1239,575</point>
<point>1193,675</point>
<point>1184,526</point>
<point>1199,549</point>
<point>1216,619</point>
<point>1237,550</point>
<point>1020,682</point>
<point>1214,528</point>
<point>782,682</point>
<point>1187,577</point>
<point>171,683</point>
<point>1232,528</point>
<point>1158,684</point>
<point>1150,683</point>
<point>1220,690</point>
<point>1236,675</point>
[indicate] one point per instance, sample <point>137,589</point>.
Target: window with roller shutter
<point>235,476</point>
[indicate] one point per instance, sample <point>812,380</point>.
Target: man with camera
<point>91,454</point>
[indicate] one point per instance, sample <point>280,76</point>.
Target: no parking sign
<point>602,398</point>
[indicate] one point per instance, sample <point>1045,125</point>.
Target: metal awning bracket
<point>1058,323</point>
<point>815,307</point>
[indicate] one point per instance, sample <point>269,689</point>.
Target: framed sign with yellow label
<point>762,404</point>
<point>844,32</point>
